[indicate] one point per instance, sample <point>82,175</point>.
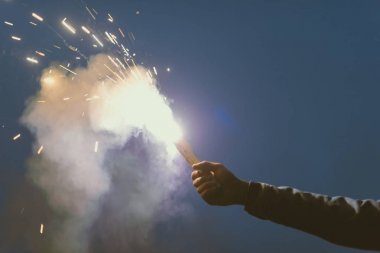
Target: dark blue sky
<point>283,92</point>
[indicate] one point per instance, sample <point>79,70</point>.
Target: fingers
<point>205,166</point>
<point>209,185</point>
<point>202,179</point>
<point>209,195</point>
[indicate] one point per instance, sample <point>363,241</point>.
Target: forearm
<point>343,221</point>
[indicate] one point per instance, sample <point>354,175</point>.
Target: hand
<point>217,185</point>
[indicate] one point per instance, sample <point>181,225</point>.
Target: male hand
<point>217,185</point>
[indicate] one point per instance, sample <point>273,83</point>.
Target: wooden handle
<point>184,148</point>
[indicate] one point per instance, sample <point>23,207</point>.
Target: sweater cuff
<point>254,191</point>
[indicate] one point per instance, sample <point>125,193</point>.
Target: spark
<point>110,18</point>
<point>16,137</point>
<point>97,40</point>
<point>68,26</point>
<point>32,60</point>
<point>117,59</point>
<point>150,73</point>
<point>155,70</point>
<point>131,36</point>
<point>113,80</point>
<point>78,58</point>
<point>32,23</point>
<point>89,11</point>
<point>40,150</point>
<point>40,53</point>
<point>8,23</point>
<point>95,45</point>
<point>41,101</point>
<point>121,32</point>
<point>74,49</point>
<point>65,99</point>
<point>113,72</point>
<point>168,69</point>
<point>96,147</point>
<point>16,38</point>
<point>38,17</point>
<point>42,229</point>
<point>137,12</point>
<point>85,30</point>
<point>109,37</point>
<point>56,46</point>
<point>68,69</point>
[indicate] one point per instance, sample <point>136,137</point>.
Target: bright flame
<point>123,101</point>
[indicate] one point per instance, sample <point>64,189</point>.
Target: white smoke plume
<point>107,136</point>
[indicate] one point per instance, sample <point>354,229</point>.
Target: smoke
<point>107,165</point>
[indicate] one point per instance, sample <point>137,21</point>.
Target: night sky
<point>282,92</point>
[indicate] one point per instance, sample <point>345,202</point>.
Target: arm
<point>343,221</point>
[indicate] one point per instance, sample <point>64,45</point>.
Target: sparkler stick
<point>184,148</point>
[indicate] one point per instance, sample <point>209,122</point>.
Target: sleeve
<point>340,220</point>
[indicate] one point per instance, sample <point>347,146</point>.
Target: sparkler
<point>182,146</point>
